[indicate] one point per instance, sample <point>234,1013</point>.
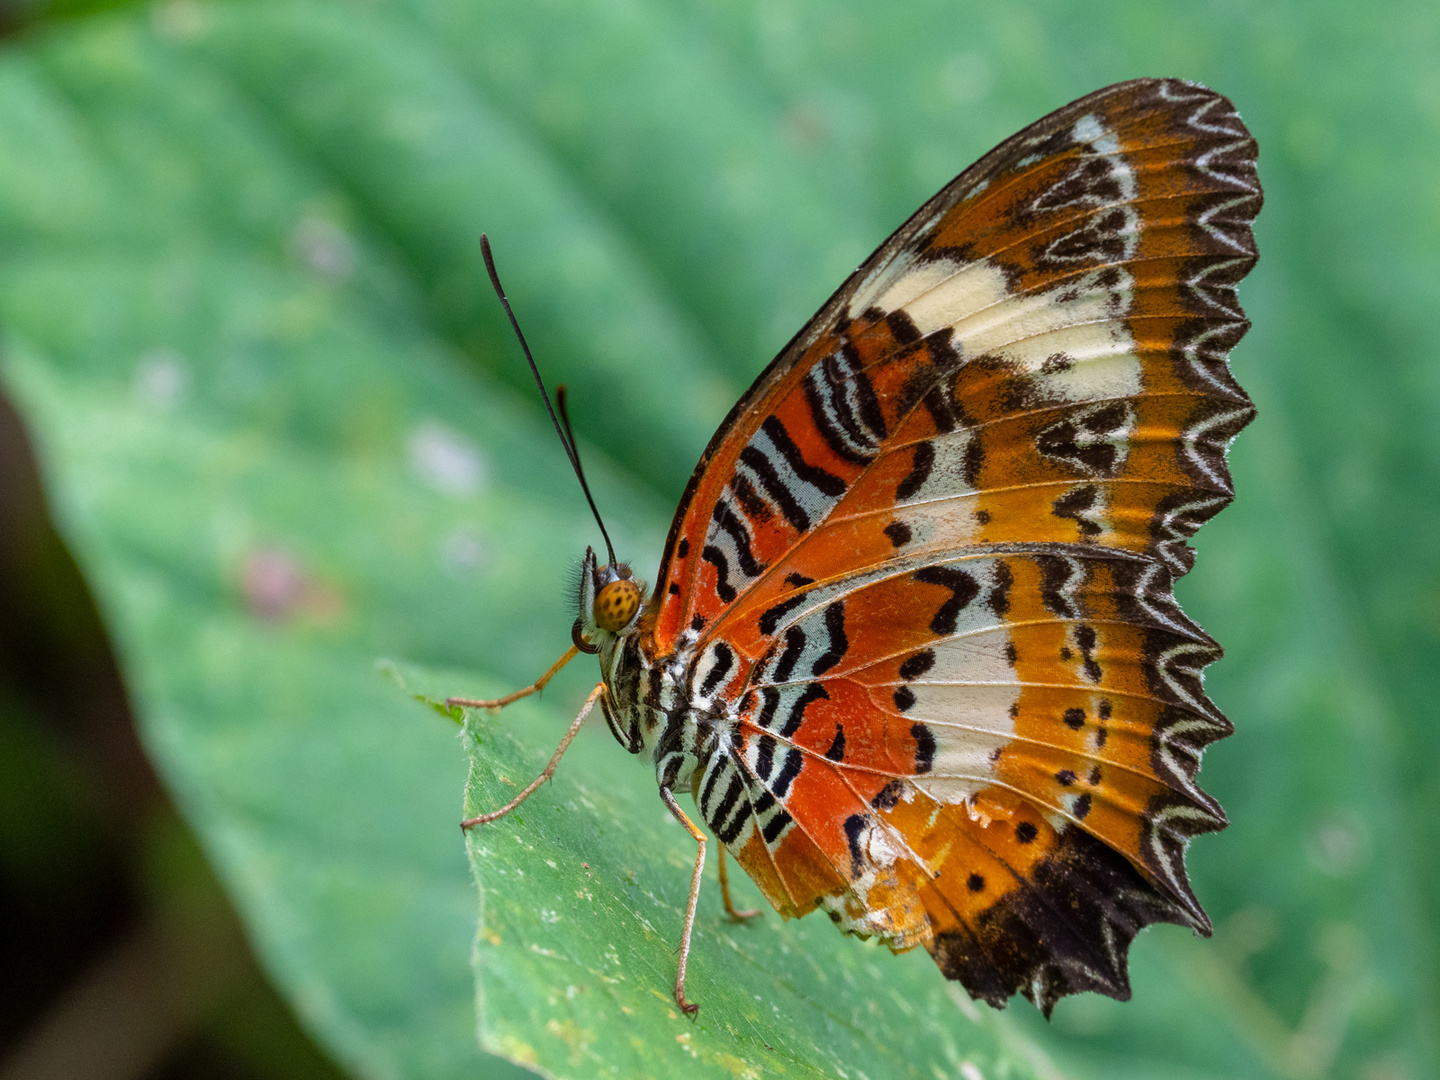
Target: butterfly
<point>913,648</point>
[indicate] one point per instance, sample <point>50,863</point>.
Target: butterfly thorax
<point>650,704</point>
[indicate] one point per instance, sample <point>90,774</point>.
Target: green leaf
<point>292,445</point>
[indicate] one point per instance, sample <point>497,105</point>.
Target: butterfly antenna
<point>560,399</point>
<point>567,438</point>
<point>564,411</point>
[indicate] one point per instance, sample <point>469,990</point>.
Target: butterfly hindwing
<point>934,548</point>
<point>933,726</point>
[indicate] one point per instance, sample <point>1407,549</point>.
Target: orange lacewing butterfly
<point>913,648</point>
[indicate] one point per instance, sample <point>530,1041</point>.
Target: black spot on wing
<point>724,661</point>
<point>812,693</point>
<point>765,756</point>
<point>963,588</point>
<point>867,425</point>
<point>998,600</point>
<point>902,327</point>
<point>756,508</point>
<point>839,645</point>
<point>710,782</point>
<point>794,761</point>
<point>727,801</point>
<point>924,747</point>
<point>790,656</point>
<point>940,404</point>
<point>730,831</point>
<point>731,524</point>
<point>920,466</point>
<point>771,697</point>
<point>888,796</point>
<point>826,483</point>
<point>716,558</point>
<point>1075,504</point>
<point>854,826</point>
<point>775,826</point>
<point>917,664</point>
<point>1056,577</point>
<point>771,619</point>
<point>972,461</point>
<point>1084,441</point>
<point>775,487</point>
<point>828,389</point>
<point>1085,637</point>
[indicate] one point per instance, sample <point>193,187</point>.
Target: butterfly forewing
<point>926,564</point>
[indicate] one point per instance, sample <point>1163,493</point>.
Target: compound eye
<point>616,604</point>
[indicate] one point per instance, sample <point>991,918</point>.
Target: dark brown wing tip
<point>1065,932</point>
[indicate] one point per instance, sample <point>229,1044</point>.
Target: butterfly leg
<point>689,1008</point>
<point>533,688</point>
<point>549,771</point>
<point>736,916</point>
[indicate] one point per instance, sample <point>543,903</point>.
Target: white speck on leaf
<point>445,460</point>
<point>179,20</point>
<point>463,551</point>
<point>323,246</point>
<point>1339,845</point>
<point>161,379</point>
<point>966,78</point>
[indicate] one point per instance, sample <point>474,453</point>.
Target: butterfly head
<point>609,602</point>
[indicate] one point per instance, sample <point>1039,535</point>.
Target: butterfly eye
<point>616,604</point>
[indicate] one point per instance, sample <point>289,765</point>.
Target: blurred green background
<point>263,427</point>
